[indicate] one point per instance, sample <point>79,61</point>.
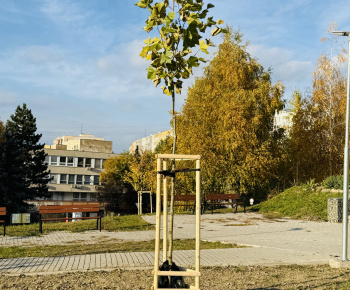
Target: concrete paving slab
<point>271,242</point>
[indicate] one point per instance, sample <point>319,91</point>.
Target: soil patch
<point>277,277</point>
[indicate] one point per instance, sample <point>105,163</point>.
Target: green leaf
<point>203,47</point>
<point>219,22</point>
<point>144,52</point>
<point>148,41</point>
<point>210,6</point>
<point>170,17</point>
<point>215,31</point>
<point>192,61</point>
<point>156,81</point>
<point>141,4</point>
<point>151,73</point>
<point>149,26</point>
<point>166,90</point>
<point>167,29</point>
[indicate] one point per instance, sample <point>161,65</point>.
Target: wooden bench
<point>3,222</point>
<point>188,200</point>
<point>212,200</point>
<point>57,209</point>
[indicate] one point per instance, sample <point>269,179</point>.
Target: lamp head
<point>341,33</point>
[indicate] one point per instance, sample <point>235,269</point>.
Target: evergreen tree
<point>13,184</point>
<point>27,172</point>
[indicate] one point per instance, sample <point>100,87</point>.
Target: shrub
<point>335,181</point>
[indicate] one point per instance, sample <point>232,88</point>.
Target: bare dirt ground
<point>221,278</point>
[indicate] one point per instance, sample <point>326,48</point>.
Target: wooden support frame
<point>139,200</point>
<point>162,166</point>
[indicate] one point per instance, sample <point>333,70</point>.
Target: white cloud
<point>286,67</point>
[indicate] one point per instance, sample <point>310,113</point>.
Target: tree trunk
<point>171,218</point>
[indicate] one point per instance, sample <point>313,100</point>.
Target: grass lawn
<point>116,223</point>
<point>115,247</point>
<point>298,202</point>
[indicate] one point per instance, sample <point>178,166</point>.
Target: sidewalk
<point>271,243</point>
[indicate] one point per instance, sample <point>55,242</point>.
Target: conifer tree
<point>27,172</point>
<point>13,184</point>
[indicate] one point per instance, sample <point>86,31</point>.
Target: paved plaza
<point>269,242</point>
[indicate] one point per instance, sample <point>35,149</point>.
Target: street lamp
<point>346,157</point>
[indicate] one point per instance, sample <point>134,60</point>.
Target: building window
<point>47,160</point>
<point>75,196</point>
<point>53,178</point>
<point>96,180</point>
<point>79,179</point>
<point>62,161</point>
<point>70,161</point>
<point>97,163</point>
<point>70,179</point>
<point>93,196</point>
<point>86,179</point>
<point>53,160</point>
<point>83,196</point>
<point>63,179</point>
<point>87,162</point>
<point>80,162</point>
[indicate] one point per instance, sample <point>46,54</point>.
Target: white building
<point>283,119</point>
<point>75,163</point>
<point>149,143</point>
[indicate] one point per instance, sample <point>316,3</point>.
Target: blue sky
<point>75,63</point>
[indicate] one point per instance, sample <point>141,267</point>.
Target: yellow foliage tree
<point>141,175</point>
<point>318,126</point>
<point>228,118</point>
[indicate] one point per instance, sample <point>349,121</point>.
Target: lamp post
<point>346,156</point>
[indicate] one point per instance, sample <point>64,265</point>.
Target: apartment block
<point>149,143</point>
<point>75,163</point>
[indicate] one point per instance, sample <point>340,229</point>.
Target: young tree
<point>228,119</point>
<point>181,24</point>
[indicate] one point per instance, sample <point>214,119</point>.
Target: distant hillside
<point>298,202</point>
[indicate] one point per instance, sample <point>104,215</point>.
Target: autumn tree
<point>318,125</point>
<point>117,192</point>
<point>181,25</point>
<point>141,171</point>
<point>228,119</point>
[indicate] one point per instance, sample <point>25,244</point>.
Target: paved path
<point>271,243</point>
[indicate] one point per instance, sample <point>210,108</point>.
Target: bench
<point>212,200</point>
<point>3,222</point>
<point>188,200</point>
<point>58,209</point>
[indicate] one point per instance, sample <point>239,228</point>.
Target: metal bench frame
<point>211,200</point>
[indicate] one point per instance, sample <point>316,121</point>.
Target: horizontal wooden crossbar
<point>69,208</point>
<point>178,156</point>
<point>189,197</point>
<point>179,273</point>
<point>221,196</point>
<point>75,218</point>
<point>2,210</point>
